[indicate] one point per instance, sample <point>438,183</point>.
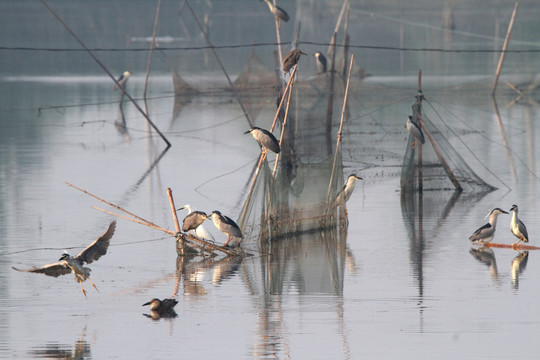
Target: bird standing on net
<point>68,263</point>
<point>278,12</point>
<point>487,232</point>
<point>291,59</point>
<point>122,80</point>
<point>518,227</point>
<point>226,225</point>
<point>415,131</point>
<point>265,138</point>
<point>193,221</point>
<point>321,62</point>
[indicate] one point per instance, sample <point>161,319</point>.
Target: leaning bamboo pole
<point>503,52</point>
<point>512,246</point>
<point>150,53</point>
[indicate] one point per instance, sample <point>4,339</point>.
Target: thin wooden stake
<point>503,53</point>
<point>284,119</point>
<point>176,224</point>
<point>152,44</point>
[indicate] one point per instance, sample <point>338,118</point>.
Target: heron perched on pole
<point>193,221</point>
<point>291,59</point>
<point>321,62</point>
<point>414,129</point>
<point>68,263</point>
<point>265,138</point>
<point>226,225</point>
<point>486,233</point>
<point>518,227</point>
<point>345,193</point>
<point>122,80</point>
<point>278,12</point>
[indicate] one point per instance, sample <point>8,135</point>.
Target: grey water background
<point>394,291</point>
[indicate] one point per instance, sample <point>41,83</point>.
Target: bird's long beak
<point>182,208</point>
<point>247,132</point>
<point>148,303</point>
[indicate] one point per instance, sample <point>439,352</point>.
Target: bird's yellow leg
<point>82,289</point>
<point>92,284</point>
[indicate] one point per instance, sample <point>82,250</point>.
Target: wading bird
<point>122,81</point>
<point>291,59</point>
<point>68,263</point>
<point>277,11</point>
<point>346,192</point>
<point>226,225</point>
<point>415,131</point>
<point>321,62</point>
<point>486,233</point>
<point>518,227</point>
<point>265,138</point>
<point>193,221</point>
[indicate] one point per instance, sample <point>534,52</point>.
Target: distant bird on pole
<point>291,59</point>
<point>278,12</point>
<point>415,131</point>
<point>68,263</point>
<point>321,62</point>
<point>265,138</point>
<point>122,80</point>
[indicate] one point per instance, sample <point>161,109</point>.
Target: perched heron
<point>161,308</point>
<point>518,227</point>
<point>321,62</point>
<point>68,263</point>
<point>226,225</point>
<point>486,233</point>
<point>193,221</point>
<point>265,138</point>
<point>122,81</point>
<point>277,11</point>
<point>415,131</point>
<point>346,192</point>
<point>291,59</point>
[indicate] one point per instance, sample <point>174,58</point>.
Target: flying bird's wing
<point>56,269</point>
<point>99,247</point>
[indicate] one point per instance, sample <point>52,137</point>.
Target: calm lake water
<point>399,279</point>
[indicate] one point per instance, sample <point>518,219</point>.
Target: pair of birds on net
<point>486,233</point>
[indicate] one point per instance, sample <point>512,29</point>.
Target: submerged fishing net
<point>442,167</point>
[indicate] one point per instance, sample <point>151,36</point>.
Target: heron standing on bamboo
<point>226,225</point>
<point>291,59</point>
<point>345,193</point>
<point>415,130</point>
<point>265,138</point>
<point>68,263</point>
<point>518,227</point>
<point>122,80</point>
<point>278,12</point>
<point>487,232</point>
<point>193,221</point>
<point>321,62</point>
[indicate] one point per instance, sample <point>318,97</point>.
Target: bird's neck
<point>493,219</point>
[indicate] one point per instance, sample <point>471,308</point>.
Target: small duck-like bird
<point>486,233</point>
<point>345,193</point>
<point>277,11</point>
<point>122,81</point>
<point>226,225</point>
<point>518,227</point>
<point>161,308</point>
<point>68,263</point>
<point>321,62</point>
<point>265,138</point>
<point>193,221</point>
<point>415,131</point>
<point>291,59</point>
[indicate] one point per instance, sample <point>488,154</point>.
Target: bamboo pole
<point>220,64</point>
<point>107,72</point>
<point>330,108</point>
<point>152,44</point>
<point>419,99</point>
<point>512,246</point>
<point>503,53</point>
<point>339,134</point>
<point>278,37</point>
<point>180,241</point>
<point>285,119</point>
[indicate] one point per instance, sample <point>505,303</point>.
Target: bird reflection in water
<point>519,263</point>
<point>81,350</point>
<point>486,256</point>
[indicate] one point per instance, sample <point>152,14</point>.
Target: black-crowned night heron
<point>226,225</point>
<point>265,138</point>
<point>122,81</point>
<point>518,227</point>
<point>415,131</point>
<point>321,62</point>
<point>161,308</point>
<point>193,221</point>
<point>277,11</point>
<point>346,192</point>
<point>291,59</point>
<point>486,233</point>
<point>68,263</point>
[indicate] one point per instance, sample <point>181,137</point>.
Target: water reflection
<point>51,350</point>
<point>486,256</point>
<point>519,263</point>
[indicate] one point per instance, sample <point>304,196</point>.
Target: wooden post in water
<point>180,241</point>
<point>417,114</point>
<point>505,45</point>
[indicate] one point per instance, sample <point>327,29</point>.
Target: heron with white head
<point>486,233</point>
